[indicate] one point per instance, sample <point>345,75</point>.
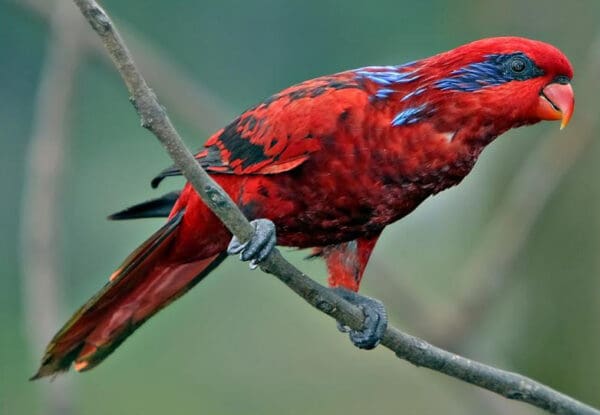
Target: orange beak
<point>557,102</point>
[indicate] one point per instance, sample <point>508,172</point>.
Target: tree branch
<point>183,94</point>
<point>41,205</point>
<point>412,349</point>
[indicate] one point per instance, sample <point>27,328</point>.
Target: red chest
<point>356,186</point>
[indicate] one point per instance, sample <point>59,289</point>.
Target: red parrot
<point>326,164</point>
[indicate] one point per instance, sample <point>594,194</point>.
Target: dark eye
<point>517,65</point>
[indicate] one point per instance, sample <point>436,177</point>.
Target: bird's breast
<point>360,189</point>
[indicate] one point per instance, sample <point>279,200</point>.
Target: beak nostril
<point>562,80</point>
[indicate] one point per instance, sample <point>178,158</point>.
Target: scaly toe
<point>375,322</point>
<point>259,246</point>
<point>373,330</point>
<point>235,246</point>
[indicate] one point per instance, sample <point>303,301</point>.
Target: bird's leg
<point>346,263</point>
<point>259,246</point>
<point>375,319</point>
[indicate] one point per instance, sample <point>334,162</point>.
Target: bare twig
<point>412,349</point>
<point>40,258</point>
<point>184,94</point>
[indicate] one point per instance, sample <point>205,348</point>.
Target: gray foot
<point>257,248</point>
<point>375,319</point>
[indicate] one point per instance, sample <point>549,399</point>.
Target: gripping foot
<point>375,319</point>
<point>257,248</point>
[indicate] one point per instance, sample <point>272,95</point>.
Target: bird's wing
<point>283,131</point>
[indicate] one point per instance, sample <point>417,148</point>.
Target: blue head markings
<point>495,70</point>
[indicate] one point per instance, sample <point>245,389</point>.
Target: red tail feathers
<point>137,290</point>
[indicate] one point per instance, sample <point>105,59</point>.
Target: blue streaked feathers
<point>414,93</point>
<point>410,115</point>
<point>387,78</point>
<point>495,70</point>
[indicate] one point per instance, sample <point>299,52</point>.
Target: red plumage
<point>331,162</point>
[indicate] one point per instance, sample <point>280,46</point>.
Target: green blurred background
<point>504,268</point>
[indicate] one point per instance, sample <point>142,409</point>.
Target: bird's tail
<point>142,286</point>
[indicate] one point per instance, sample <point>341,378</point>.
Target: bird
<point>325,164</point>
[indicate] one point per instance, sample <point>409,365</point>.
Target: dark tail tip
<point>156,181</point>
<point>168,172</point>
<point>46,370</point>
<point>35,377</point>
<point>155,208</point>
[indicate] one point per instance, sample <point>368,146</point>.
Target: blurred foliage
<point>241,343</point>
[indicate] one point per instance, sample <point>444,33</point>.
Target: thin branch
<point>40,257</point>
<point>185,95</point>
<point>412,349</point>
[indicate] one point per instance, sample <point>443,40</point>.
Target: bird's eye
<point>517,65</point>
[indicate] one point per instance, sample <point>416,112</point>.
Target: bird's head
<point>502,82</point>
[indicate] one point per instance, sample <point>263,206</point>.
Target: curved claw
<point>259,246</point>
<point>343,328</point>
<point>375,322</point>
<point>235,246</point>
